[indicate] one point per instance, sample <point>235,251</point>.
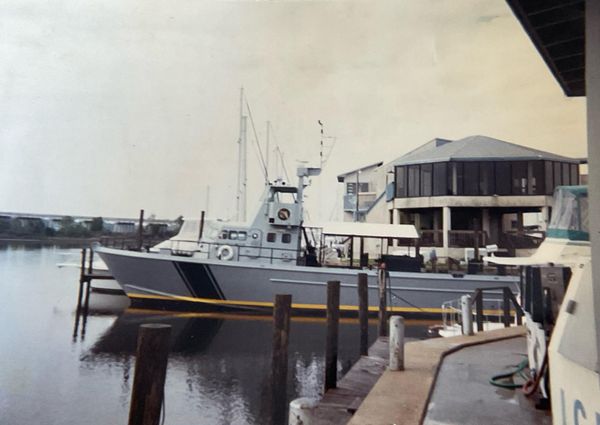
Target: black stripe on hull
<point>199,280</point>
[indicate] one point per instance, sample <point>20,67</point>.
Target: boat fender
<point>225,252</point>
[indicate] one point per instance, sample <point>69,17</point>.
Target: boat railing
<point>189,248</point>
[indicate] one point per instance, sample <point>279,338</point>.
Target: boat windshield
<point>570,214</point>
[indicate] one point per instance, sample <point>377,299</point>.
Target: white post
<point>301,411</point>
<point>467,315</point>
<point>446,226</point>
<point>396,343</point>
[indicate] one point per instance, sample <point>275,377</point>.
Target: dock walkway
<point>338,404</point>
<point>402,398</point>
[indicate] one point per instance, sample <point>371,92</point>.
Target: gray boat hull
<point>155,279</point>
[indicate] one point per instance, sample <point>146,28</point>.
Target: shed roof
<point>370,230</point>
<point>341,177</point>
<point>474,148</point>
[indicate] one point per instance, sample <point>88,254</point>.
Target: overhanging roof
<point>557,29</point>
<point>476,148</point>
<point>371,230</point>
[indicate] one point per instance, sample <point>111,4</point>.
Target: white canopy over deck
<point>370,230</point>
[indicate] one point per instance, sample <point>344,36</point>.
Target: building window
<point>503,178</point>
<point>486,178</point>
<point>538,178</point>
<point>574,174</point>
<point>351,188</point>
<point>286,238</point>
<point>413,180</point>
<point>457,178</point>
<point>440,174</point>
<point>566,173</point>
<point>557,174</point>
<point>401,187</point>
<point>471,180</point>
<point>271,237</point>
<point>519,177</point>
<point>549,177</point>
<point>426,179</point>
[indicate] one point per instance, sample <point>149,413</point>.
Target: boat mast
<point>241,183</point>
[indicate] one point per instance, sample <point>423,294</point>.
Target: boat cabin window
<point>271,237</point>
<point>285,197</point>
<point>242,236</point>
<point>224,234</point>
<point>233,235</point>
<point>286,238</point>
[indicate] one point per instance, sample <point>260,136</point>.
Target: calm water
<point>56,370</point>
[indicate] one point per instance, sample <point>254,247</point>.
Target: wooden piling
<point>140,235</point>
<point>81,277</point>
<point>91,262</point>
<point>363,313</point>
<point>382,316</point>
<point>150,373</point>
<point>478,298</point>
<point>279,365</point>
<point>331,346</point>
<point>506,307</point>
<point>201,226</point>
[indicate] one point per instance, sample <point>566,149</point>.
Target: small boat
<point>244,265</point>
<point>567,239</point>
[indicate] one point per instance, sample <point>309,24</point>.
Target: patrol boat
<point>243,266</point>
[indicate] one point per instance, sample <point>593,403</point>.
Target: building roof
<point>474,148</point>
<point>557,29</point>
<point>341,177</point>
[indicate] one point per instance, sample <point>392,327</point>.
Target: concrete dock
<point>445,381</point>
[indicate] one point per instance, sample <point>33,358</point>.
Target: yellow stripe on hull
<point>267,304</point>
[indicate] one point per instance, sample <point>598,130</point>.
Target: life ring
<point>225,252</point>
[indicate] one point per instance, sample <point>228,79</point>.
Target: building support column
<point>446,226</point>
<point>592,88</point>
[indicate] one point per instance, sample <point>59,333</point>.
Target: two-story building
<point>460,193</point>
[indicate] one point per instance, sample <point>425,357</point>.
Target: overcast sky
<point>108,107</point>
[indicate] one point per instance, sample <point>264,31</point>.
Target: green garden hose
<point>497,379</point>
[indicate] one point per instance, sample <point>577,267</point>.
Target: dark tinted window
<point>519,177</point>
<point>458,178</point>
<point>566,173</point>
<point>574,174</point>
<point>413,180</point>
<point>548,177</point>
<point>486,178</point>
<point>401,188</point>
<point>440,173</point>
<point>471,179</point>
<point>503,181</point>
<point>286,238</point>
<point>271,237</point>
<point>426,179</point>
<point>557,174</point>
<point>538,186</point>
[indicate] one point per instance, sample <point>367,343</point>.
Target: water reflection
<point>70,368</point>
